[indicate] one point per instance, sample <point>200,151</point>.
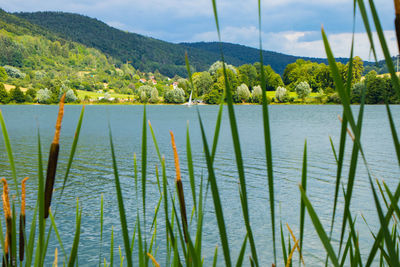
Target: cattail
<point>7,215</point>
<point>397,21</point>
<point>53,158</point>
<point>156,264</point>
<point>22,221</point>
<point>180,188</point>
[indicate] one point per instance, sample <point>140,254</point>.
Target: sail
<point>190,98</point>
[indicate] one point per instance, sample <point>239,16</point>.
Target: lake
<point>92,174</point>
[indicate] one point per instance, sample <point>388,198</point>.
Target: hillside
<point>149,54</point>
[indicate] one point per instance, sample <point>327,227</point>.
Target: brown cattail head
<point>177,168</point>
<point>180,188</point>
<point>397,7</point>
<point>6,199</point>
<point>56,139</point>
<point>23,195</point>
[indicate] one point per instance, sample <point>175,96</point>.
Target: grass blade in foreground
<point>74,250</point>
<point>302,205</point>
<point>216,199</point>
<point>237,149</point>
<point>124,226</point>
<point>319,228</point>
<point>267,137</point>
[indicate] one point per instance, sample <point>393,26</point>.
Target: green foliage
<point>144,93</point>
<point>17,95</point>
<point>44,96</point>
<point>243,93</point>
<point>3,74</point>
<point>202,82</point>
<point>303,90</point>
<point>248,74</point>
<point>14,72</point>
<point>217,66</point>
<point>4,96</point>
<point>281,94</point>
<point>176,96</point>
<point>355,94</point>
<point>213,97</point>
<point>70,96</point>
<point>257,94</point>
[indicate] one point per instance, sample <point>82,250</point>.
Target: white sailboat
<point>190,100</point>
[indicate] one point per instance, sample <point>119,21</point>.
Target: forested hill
<point>149,54</point>
<point>145,53</point>
<point>245,54</point>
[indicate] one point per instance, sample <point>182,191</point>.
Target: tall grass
<point>184,234</point>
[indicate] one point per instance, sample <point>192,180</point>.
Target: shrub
<point>70,96</point>
<point>176,96</point>
<point>356,90</point>
<point>4,96</point>
<point>144,93</point>
<point>303,90</point>
<point>281,94</point>
<point>154,96</point>
<point>257,94</point>
<point>213,97</point>
<point>243,93</point>
<point>14,72</point>
<point>17,95</point>
<point>44,96</point>
<point>3,74</point>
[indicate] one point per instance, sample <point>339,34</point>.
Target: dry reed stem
<point>295,240</point>
<point>156,264</point>
<point>291,254</point>
<point>56,139</point>
<point>348,130</point>
<point>55,263</point>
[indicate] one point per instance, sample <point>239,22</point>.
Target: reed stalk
<point>22,220</point>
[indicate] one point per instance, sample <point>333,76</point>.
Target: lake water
<point>92,173</point>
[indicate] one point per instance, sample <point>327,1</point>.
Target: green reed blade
<point>319,228</point>
<point>393,203</point>
<point>140,250</point>
<point>153,240</point>
<point>57,234</point>
<point>31,241</point>
<point>302,205</point>
<point>121,208</point>
<point>364,16</point>
<point>40,247</point>
<point>13,248</point>
<point>101,228</point>
<point>216,199</point>
<point>112,247</point>
<point>283,244</point>
<point>74,250</point>
<point>394,133</point>
<point>199,231</point>
<point>156,213</point>
<point>353,167</point>
<point>346,250</point>
<point>215,258</point>
<point>333,150</point>
<point>241,253</point>
<point>217,130</point>
<point>121,258</point>
<point>155,141</point>
<point>144,165</point>
<point>394,260</point>
<point>267,136</point>
<point>133,237</point>
<point>72,153</point>
<point>385,49</point>
<point>382,193</point>
<point>10,154</point>
<point>190,167</point>
<point>238,152</point>
<point>379,236</point>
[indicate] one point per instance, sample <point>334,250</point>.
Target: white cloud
<point>307,43</point>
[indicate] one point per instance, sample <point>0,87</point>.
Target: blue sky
<point>288,26</point>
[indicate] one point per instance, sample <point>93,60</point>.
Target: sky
<point>288,26</point>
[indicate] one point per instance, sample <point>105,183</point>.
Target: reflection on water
<point>92,173</point>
